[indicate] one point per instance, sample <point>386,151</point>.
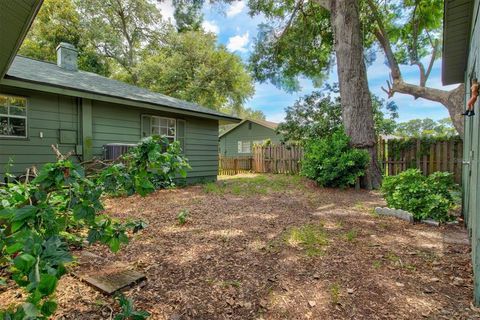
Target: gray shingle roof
<point>48,73</point>
<point>265,123</point>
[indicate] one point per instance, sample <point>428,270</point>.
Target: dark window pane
<point>17,111</point>
<point>4,126</point>
<point>18,127</point>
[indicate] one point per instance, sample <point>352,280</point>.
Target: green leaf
<point>31,311</point>
<point>24,213</point>
<point>24,262</point>
<point>17,225</point>
<point>114,244</point>
<point>14,248</point>
<point>6,213</point>
<point>49,308</point>
<point>47,284</point>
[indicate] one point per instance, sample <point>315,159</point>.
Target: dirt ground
<point>277,247</point>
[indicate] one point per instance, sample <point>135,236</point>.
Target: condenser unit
<point>112,151</point>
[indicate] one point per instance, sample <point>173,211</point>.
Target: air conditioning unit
<point>112,151</point>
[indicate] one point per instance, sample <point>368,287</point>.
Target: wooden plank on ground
<point>110,280</point>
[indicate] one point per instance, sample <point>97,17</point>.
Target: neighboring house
<point>43,103</point>
<point>240,139</point>
<point>461,64</point>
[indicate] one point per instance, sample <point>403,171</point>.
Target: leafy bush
<point>182,217</point>
<point>153,164</point>
<point>38,219</point>
<point>425,197</point>
<point>332,162</point>
<point>128,310</point>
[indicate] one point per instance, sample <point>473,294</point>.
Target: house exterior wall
<point>471,171</point>
<point>114,123</point>
<point>110,123</point>
<point>47,115</point>
<point>229,141</point>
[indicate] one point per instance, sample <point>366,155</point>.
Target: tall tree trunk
<point>355,96</point>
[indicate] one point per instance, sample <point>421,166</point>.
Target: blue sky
<point>236,30</point>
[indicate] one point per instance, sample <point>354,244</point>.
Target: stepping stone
<point>397,213</point>
<point>112,280</point>
<point>458,237</point>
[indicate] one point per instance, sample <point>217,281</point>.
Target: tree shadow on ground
<point>232,260</point>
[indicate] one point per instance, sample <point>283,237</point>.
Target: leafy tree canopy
<point>191,66</point>
<point>128,40</point>
<point>59,21</point>
<point>426,128</point>
<point>297,40</point>
<point>319,114</point>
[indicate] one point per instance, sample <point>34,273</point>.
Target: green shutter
<point>146,126</point>
<point>181,124</point>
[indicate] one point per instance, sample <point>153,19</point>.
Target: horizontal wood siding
<point>122,124</point>
<point>114,124</point>
<point>47,113</point>
<point>471,167</point>
<point>229,142</point>
<point>111,123</point>
<point>201,148</point>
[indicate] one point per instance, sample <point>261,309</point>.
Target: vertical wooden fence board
<point>428,156</point>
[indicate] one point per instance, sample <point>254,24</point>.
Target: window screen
<point>13,117</point>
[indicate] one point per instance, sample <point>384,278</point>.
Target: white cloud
<point>167,9</point>
<point>235,8</point>
<point>238,42</point>
<point>210,26</point>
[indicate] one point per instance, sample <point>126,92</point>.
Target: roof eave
<point>20,31</point>
<point>454,55</point>
<point>32,85</point>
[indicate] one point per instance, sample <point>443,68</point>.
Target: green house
<point>461,64</point>
<point>239,139</point>
<point>43,103</point>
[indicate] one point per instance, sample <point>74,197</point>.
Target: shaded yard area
<point>277,247</point>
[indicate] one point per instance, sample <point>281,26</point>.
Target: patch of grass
<point>231,283</point>
<point>214,188</point>
<point>335,293</point>
<point>377,264</point>
<point>182,217</point>
<point>360,206</point>
<point>262,184</point>
<point>351,235</point>
<point>310,238</point>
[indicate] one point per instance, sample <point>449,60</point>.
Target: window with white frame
<point>244,147</point>
<point>13,117</point>
<point>164,127</point>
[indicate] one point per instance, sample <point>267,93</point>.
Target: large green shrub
<point>425,197</point>
<point>37,219</point>
<point>332,162</point>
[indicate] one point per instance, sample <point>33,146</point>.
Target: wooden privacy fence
<point>230,166</point>
<point>277,159</point>
<point>269,159</point>
<point>428,155</point>
<point>394,155</point>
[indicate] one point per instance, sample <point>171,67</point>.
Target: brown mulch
<point>230,260</point>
